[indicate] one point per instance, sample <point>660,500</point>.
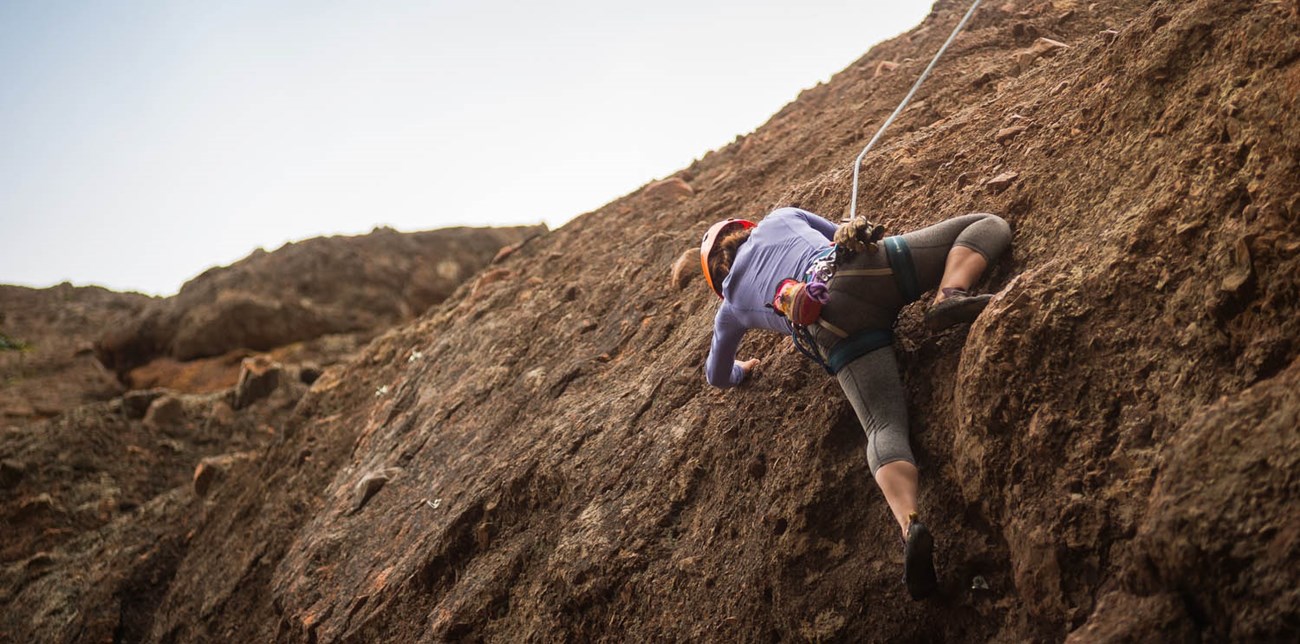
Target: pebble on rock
<point>669,189</point>
<point>1042,48</point>
<point>1002,181</point>
<point>369,485</point>
<point>1007,133</point>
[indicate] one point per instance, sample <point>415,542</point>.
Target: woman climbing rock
<point>839,302</point>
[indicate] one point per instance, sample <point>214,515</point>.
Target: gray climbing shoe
<point>958,307</point>
<point>918,560</point>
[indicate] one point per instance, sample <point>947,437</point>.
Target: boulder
<point>258,378</point>
<point>166,411</point>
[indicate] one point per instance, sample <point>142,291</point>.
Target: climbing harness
<point>851,346</point>
<point>857,163</point>
<point>799,300</point>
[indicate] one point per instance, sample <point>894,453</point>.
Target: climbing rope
<point>857,163</point>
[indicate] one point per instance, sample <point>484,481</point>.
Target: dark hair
<point>724,253</point>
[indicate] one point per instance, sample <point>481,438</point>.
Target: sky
<point>142,142</point>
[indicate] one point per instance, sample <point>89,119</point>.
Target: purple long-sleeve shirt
<point>781,247</point>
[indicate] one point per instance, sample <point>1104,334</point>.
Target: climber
<point>745,264</point>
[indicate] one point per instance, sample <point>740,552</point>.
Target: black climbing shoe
<point>957,307</point>
<point>918,560</point>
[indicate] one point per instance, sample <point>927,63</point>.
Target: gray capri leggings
<point>871,382</point>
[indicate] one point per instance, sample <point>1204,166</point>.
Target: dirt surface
<point>305,290</point>
<point>1107,454</point>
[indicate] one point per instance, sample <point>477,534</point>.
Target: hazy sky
<point>143,142</point>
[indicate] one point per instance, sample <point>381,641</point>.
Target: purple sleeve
<point>823,226</point>
<point>721,368</point>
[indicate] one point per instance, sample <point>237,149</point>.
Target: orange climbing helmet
<point>710,238</point>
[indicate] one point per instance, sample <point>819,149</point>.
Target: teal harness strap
<point>900,259</point>
<point>820,255</point>
<point>856,346</point>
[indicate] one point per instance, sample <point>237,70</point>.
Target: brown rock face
<point>56,371</point>
<point>305,290</point>
<point>1108,453</point>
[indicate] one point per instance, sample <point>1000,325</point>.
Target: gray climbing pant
<point>870,300</point>
<point>873,387</point>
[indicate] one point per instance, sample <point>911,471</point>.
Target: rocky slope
<point>47,362</point>
<point>303,291</point>
<point>1109,453</point>
<point>80,454</point>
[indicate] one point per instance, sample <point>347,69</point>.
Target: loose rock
<point>369,485</point>
<point>1002,181</point>
<point>674,189</point>
<point>1042,48</point>
<point>222,414</point>
<point>1007,133</point>
<point>1242,268</point>
<point>258,378</point>
<point>167,411</point>
<point>1046,47</point>
<point>489,278</point>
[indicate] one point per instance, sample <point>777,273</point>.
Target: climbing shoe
<point>918,560</point>
<point>957,307</point>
